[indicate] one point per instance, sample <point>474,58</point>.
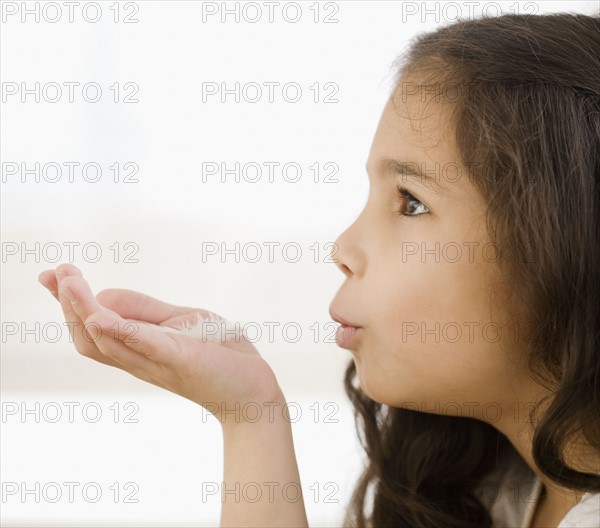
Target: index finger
<point>137,337</point>
<point>135,305</point>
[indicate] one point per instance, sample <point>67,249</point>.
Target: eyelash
<point>403,193</point>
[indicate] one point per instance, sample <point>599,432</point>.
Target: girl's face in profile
<point>420,285</point>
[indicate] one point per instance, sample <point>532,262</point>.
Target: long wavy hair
<point>526,117</point>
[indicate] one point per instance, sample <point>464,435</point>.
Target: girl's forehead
<point>425,134</point>
<point>422,117</point>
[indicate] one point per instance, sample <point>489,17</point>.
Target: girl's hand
<point>219,376</point>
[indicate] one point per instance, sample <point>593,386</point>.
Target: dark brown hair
<point>526,120</point>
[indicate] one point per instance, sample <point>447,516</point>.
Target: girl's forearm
<point>261,485</point>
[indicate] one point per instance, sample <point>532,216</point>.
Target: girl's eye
<point>413,206</point>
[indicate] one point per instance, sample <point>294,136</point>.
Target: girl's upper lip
<point>341,320</point>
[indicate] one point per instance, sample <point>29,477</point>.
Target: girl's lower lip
<point>345,335</point>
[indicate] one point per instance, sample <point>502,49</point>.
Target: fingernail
<point>60,275</point>
<point>68,294</point>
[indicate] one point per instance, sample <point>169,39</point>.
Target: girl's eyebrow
<point>430,179</point>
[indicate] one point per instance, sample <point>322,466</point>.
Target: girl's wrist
<point>259,413</point>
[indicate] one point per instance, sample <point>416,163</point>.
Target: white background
<point>175,448</point>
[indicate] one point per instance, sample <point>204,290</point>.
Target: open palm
<point>110,328</point>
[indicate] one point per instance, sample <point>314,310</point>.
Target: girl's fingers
<point>110,353</point>
<point>67,270</point>
<point>124,334</point>
<point>142,340</point>
<point>83,346</point>
<point>100,329</point>
<point>48,279</point>
<point>114,339</point>
<point>83,301</point>
<point>134,305</point>
<point>83,343</point>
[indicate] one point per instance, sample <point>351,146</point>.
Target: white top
<point>585,513</point>
<point>511,495</point>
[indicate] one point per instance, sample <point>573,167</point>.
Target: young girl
<point>471,302</point>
